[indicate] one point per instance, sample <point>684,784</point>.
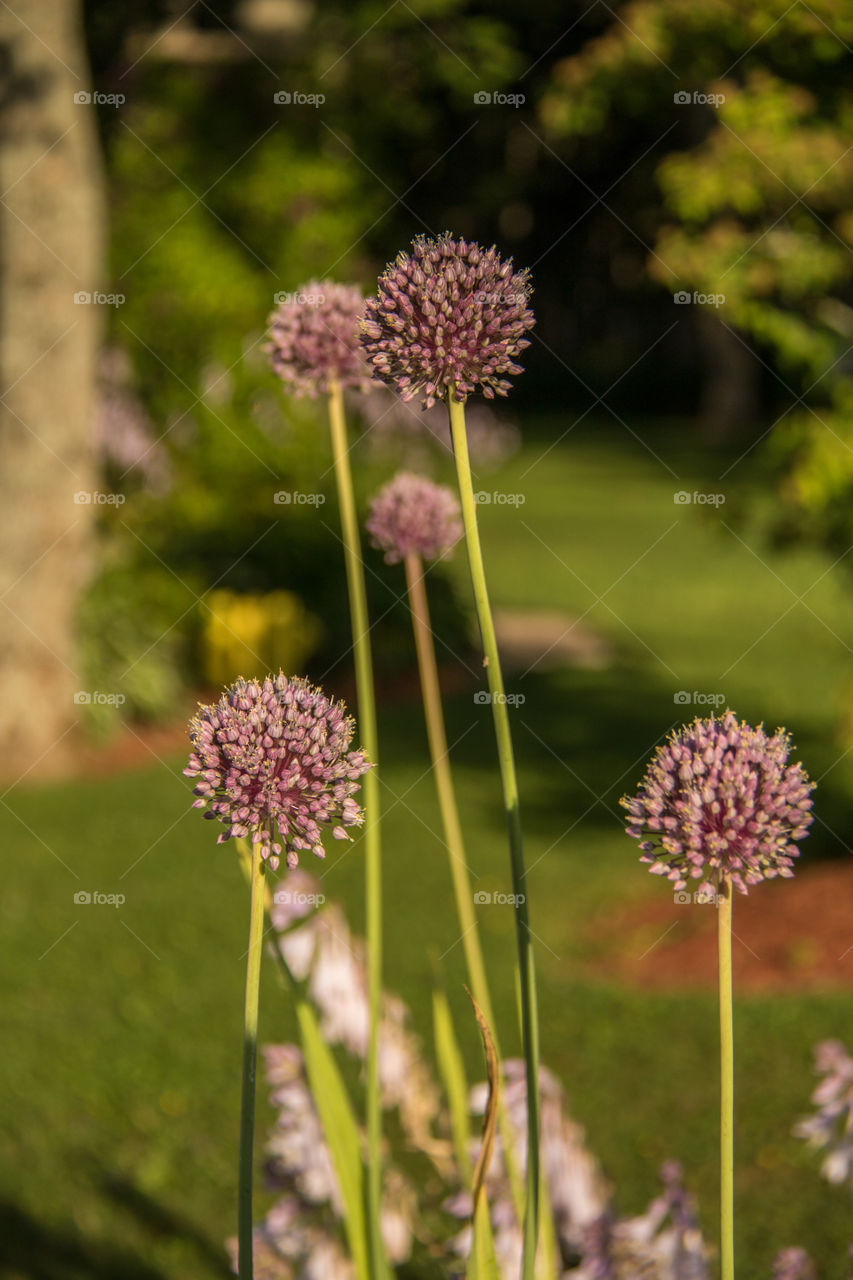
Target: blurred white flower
<point>831,1126</point>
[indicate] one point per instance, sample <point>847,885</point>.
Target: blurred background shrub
<point>629,157</point>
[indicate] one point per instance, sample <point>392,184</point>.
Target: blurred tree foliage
<point>223,195</point>
<point>752,200</point>
<point>601,179</point>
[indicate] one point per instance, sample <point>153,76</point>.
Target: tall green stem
<point>250,1055</point>
<point>437,736</point>
<point>453,838</point>
<point>526,969</point>
<point>727,1085</point>
<point>373,853</point>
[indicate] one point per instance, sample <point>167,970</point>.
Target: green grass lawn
<point>121,1025</point>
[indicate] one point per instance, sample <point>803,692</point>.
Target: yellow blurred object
<point>252,635</point>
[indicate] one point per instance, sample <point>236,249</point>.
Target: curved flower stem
<point>454,840</point>
<point>526,969</point>
<point>373,853</point>
<point>724,950</point>
<point>250,1054</point>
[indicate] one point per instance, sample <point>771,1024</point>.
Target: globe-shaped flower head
<point>272,760</point>
<point>719,800</point>
<point>447,314</point>
<point>314,338</point>
<point>411,514</point>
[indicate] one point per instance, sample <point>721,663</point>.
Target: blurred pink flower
<point>413,515</point>
<point>314,339</point>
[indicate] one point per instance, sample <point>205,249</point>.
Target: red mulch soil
<point>134,746</point>
<point>786,934</point>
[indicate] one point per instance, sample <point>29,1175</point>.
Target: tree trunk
<point>51,233</point>
<point>730,391</point>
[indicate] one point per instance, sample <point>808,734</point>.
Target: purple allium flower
<point>719,800</point>
<point>314,338</point>
<point>272,757</point>
<point>793,1264</point>
<point>448,313</point>
<point>411,514</point>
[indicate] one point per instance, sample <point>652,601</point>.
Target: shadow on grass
<point>159,1222</point>
<point>32,1250</point>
